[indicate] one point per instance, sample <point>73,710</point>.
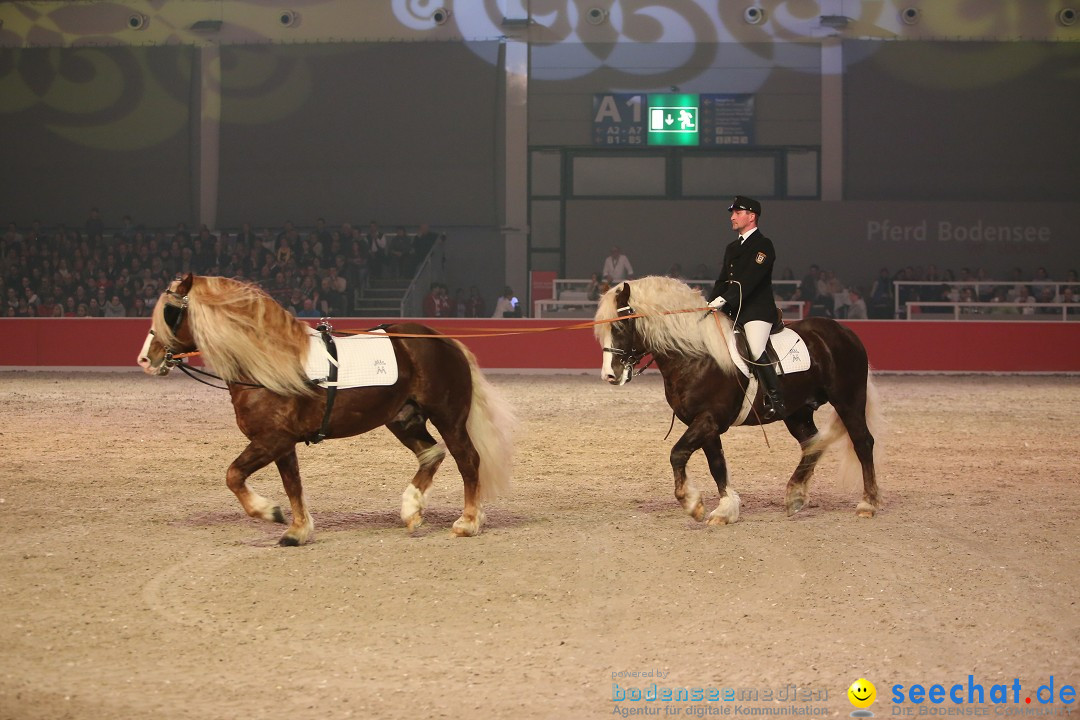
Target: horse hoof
<point>727,512</point>
<point>288,541</point>
<point>279,517</point>
<point>465,528</point>
<point>698,513</point>
<point>865,510</point>
<point>795,506</point>
<point>414,522</point>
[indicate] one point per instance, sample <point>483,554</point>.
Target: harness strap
<point>331,383</point>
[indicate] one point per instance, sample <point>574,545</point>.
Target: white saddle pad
<point>792,351</point>
<point>794,356</point>
<point>363,361</point>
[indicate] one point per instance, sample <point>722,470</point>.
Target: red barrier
<point>893,345</point>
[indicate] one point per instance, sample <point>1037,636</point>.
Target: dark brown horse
<point>260,350</point>
<point>665,318</point>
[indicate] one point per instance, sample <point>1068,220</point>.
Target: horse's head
<point>170,331</point>
<point>622,343</point>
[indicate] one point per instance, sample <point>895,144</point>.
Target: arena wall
<point>527,345</point>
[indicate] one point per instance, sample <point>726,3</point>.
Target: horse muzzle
<point>161,368</point>
<point>149,366</point>
<point>621,379</point>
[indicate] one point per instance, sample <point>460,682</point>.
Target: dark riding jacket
<point>751,264</point>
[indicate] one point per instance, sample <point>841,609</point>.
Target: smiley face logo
<point>862,693</point>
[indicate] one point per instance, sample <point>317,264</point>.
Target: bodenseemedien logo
<point>862,695</point>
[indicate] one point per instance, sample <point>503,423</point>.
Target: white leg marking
<point>413,503</point>
<point>432,455</point>
<point>727,512</point>
<point>263,508</point>
<point>465,528</point>
<point>304,533</point>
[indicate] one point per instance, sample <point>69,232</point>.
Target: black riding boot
<point>766,375</point>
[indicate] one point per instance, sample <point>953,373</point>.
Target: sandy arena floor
<point>135,587</point>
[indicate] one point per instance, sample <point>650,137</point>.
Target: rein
<point>189,370</point>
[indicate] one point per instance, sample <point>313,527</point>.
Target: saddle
<point>340,363</point>
<point>785,350</point>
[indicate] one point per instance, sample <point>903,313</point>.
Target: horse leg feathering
<point>727,512</point>
<point>702,432</point>
<point>414,499</point>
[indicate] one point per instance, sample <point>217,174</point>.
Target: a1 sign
<point>617,119</point>
<point>638,119</point>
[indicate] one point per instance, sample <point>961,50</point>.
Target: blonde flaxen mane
<point>242,333</point>
<point>664,328</point>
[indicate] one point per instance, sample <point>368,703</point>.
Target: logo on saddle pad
<point>362,360</point>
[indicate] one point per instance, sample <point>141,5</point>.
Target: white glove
<point>717,303</point>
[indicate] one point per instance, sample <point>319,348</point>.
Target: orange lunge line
<point>483,332</point>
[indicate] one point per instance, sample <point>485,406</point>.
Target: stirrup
<point>774,406</point>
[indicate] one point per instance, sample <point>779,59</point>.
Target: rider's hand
<point>714,305</point>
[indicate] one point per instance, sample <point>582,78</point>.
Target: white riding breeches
<point>757,336</point>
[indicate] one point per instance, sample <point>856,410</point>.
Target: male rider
<point>744,291</point>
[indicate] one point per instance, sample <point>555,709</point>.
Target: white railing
<point>977,286</point>
<point>564,308</point>
<point>994,311</point>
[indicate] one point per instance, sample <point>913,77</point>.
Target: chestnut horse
<point>259,350</point>
<point>666,318</point>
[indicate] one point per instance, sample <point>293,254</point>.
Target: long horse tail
<point>833,430</point>
<point>491,425</point>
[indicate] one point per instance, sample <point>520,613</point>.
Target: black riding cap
<point>745,203</point>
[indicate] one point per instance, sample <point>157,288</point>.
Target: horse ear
<point>185,284</point>
<point>622,295</point>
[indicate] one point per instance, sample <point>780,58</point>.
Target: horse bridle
<point>178,362</point>
<point>630,358</point>
<point>174,324</point>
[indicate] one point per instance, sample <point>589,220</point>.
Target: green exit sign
<point>673,119</point>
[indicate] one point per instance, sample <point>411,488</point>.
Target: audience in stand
<point>92,271</point>
<point>474,305</point>
<point>507,304</point>
<point>856,307</point>
<point>617,267</point>
<point>881,296</point>
<point>437,301</point>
